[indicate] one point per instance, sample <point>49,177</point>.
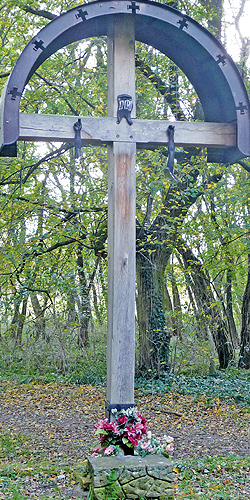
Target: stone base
<point>130,478</point>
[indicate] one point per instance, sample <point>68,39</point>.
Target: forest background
<point>192,246</point>
<point>193,274</point>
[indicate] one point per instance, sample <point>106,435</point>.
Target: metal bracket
<point>242,108</point>
<point>222,59</point>
<point>38,44</point>
<point>78,139</point>
<point>168,170</point>
<point>14,93</point>
<point>224,100</point>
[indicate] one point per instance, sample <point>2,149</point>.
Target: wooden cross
<point>121,221</point>
<point>122,139</point>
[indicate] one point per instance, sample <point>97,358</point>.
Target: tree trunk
<point>230,315</point>
<point>154,339</point>
<point>210,312</point>
<point>21,320</point>
<point>244,358</point>
<point>39,319</point>
<point>71,306</point>
<point>177,322</point>
<point>169,310</point>
<point>15,317</point>
<point>84,309</point>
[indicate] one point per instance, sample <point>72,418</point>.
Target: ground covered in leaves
<point>46,430</point>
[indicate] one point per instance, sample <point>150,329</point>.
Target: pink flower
<point>112,426</point>
<point>133,441</point>
<point>144,446</point>
<point>109,450</point>
<point>102,424</point>
<point>170,448</point>
<point>168,439</point>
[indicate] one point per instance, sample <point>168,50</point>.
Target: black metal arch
<point>200,56</point>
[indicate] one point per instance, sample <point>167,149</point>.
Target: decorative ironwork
<point>133,7</point>
<point>242,108</point>
<point>38,44</point>
<point>125,106</point>
<point>82,14</point>
<point>220,100</point>
<point>183,23</point>
<point>78,139</point>
<point>222,59</point>
<point>14,93</point>
<point>169,169</point>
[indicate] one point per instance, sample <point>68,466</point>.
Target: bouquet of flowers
<point>127,430</point>
<point>128,434</point>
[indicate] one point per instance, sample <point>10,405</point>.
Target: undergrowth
<point>230,385</point>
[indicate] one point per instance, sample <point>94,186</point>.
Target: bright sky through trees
<point>232,8</point>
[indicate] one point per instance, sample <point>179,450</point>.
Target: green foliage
<point>56,359</point>
<point>232,386</point>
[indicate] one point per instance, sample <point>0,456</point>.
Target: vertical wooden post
<point>121,222</point>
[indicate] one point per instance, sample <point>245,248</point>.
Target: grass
<point>224,478</point>
<point>35,476</point>
<point>213,478</point>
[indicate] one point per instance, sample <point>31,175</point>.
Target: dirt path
<point>62,418</point>
<point>57,422</point>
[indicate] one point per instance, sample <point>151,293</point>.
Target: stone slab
<point>133,477</point>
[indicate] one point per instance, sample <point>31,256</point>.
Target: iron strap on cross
<point>225,132</point>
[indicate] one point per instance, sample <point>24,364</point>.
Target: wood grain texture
<point>121,221</point>
<point>146,133</point>
<point>121,274</point>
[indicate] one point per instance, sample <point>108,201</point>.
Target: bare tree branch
<point>37,12</point>
<point>57,209</point>
<point>33,167</point>
<point>165,90</point>
<point>4,75</point>
<point>73,110</point>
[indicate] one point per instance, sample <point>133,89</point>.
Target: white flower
<point>168,439</point>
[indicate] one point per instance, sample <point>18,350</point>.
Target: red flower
<point>122,419</point>
<point>133,441</point>
<point>102,424</point>
<point>143,420</point>
<point>113,427</point>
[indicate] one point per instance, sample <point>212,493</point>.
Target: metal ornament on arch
<point>196,51</point>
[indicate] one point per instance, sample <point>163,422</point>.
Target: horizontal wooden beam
<point>146,133</point>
